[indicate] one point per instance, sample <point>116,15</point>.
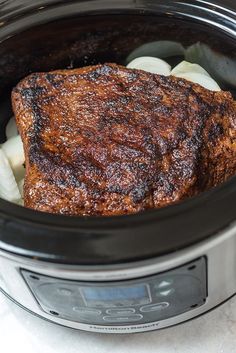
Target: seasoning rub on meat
<point>107,140</point>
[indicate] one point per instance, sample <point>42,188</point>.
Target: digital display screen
<point>115,294</point>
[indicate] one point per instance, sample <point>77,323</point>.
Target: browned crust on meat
<point>106,140</point>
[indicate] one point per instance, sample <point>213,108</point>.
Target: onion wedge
<point>150,64</point>
<point>8,187</point>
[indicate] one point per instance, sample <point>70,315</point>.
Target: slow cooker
<point>131,273</point>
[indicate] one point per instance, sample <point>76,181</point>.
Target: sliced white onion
<point>19,202</point>
<point>159,49</point>
<point>185,67</point>
<point>13,149</point>
<point>21,187</point>
<point>19,173</point>
<point>8,187</point>
<point>221,67</point>
<point>150,64</point>
<point>11,129</point>
<point>202,80</point>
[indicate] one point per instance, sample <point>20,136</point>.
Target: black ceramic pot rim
<point>93,223</point>
<point>115,240</point>
<point>24,13</point>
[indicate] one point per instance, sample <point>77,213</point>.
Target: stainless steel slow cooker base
<point>221,280</point>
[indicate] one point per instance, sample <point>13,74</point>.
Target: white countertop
<point>214,332</point>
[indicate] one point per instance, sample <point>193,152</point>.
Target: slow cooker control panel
<point>128,302</point>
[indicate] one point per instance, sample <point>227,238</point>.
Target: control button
<point>64,291</point>
<point>165,283</point>
<point>167,292</point>
<point>87,311</point>
<point>120,311</point>
<point>115,319</point>
<point>154,307</point>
